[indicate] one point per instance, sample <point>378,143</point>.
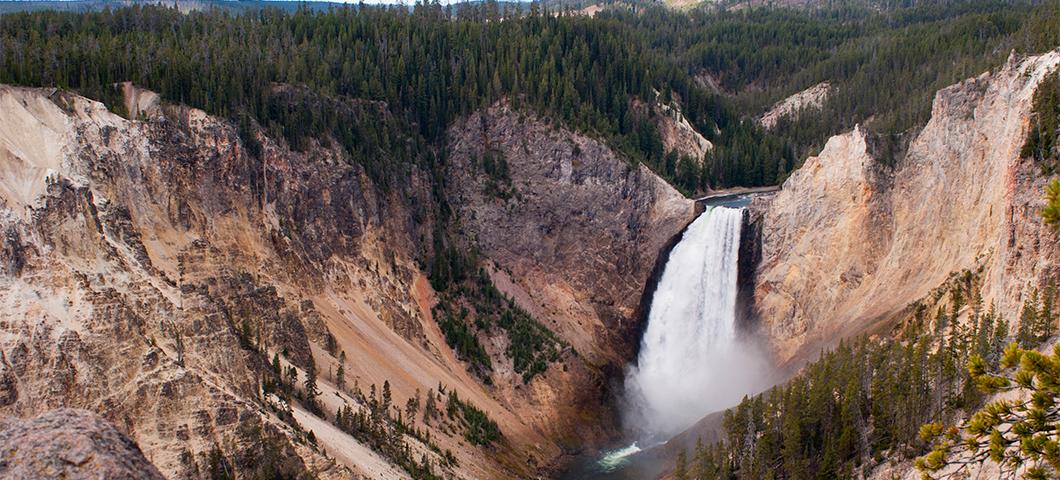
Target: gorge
<point>492,241</point>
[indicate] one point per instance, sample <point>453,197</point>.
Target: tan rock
<point>804,101</point>
<point>851,240</point>
<point>69,444</point>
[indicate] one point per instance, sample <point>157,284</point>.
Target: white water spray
<point>691,361</point>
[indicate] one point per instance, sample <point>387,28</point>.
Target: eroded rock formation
<point>72,444</point>
<point>804,101</point>
<point>854,237</point>
<point>150,268</point>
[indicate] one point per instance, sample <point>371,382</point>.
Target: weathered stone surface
<point>581,231</point>
<point>804,101</point>
<point>573,241</point>
<point>852,239</point>
<point>69,444</point>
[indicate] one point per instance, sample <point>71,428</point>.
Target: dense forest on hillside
<point>865,401</point>
<point>432,64</point>
<point>884,65</point>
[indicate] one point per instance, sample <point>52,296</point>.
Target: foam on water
<point>691,361</point>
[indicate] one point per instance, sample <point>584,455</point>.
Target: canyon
<point>141,257</point>
<point>160,267</point>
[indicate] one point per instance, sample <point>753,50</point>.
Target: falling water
<point>691,361</point>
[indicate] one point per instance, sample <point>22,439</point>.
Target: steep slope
<point>852,238</point>
<point>151,269</point>
<point>675,131</point>
<point>572,236</point>
<point>577,236</point>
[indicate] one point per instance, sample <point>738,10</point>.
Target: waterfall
<point>691,362</point>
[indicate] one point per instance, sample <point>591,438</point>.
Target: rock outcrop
<point>675,131</point>
<point>71,444</point>
<point>805,101</point>
<point>579,233</point>
<point>853,238</point>
<point>679,134</point>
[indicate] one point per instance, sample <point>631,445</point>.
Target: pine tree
<point>681,470</point>
<point>1046,315</point>
<point>340,375</point>
<point>310,384</point>
<point>1051,212</point>
<point>1027,336</point>
<point>430,410</point>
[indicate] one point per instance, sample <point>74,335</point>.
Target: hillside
<point>181,262</point>
<point>425,241</point>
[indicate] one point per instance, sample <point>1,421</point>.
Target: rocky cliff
<point>856,235</point>
<point>151,268</point>
<point>573,238</point>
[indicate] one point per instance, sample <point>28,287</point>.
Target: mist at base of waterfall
<point>692,361</point>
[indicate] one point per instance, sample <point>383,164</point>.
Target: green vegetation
<point>1043,140</point>
<point>462,339</point>
<point>498,181</point>
<point>479,429</point>
<point>1051,213</point>
<point>865,401</point>
<point>482,309</point>
<point>306,74</point>
<point>884,65</point>
<point>531,346</point>
<point>328,74</point>
<point>383,426</point>
<point>1018,434</point>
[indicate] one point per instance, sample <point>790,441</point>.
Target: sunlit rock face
<point>72,444</point>
<point>854,237</point>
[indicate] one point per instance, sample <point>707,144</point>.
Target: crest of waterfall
<point>691,361</point>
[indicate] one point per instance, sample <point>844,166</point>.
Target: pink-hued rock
<point>70,444</point>
<point>852,238</point>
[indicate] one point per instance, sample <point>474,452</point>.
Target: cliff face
<point>149,270</point>
<point>580,232</point>
<point>572,239</point>
<point>140,255</point>
<point>851,240</point>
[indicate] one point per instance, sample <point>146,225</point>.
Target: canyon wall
<point>576,241</point>
<point>855,236</point>
<point>572,238</point>
<point>149,270</point>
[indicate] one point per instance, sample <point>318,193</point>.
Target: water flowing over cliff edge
<point>691,360</point>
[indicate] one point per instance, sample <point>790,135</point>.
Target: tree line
<point>865,401</point>
<point>884,64</point>
<point>429,65</point>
